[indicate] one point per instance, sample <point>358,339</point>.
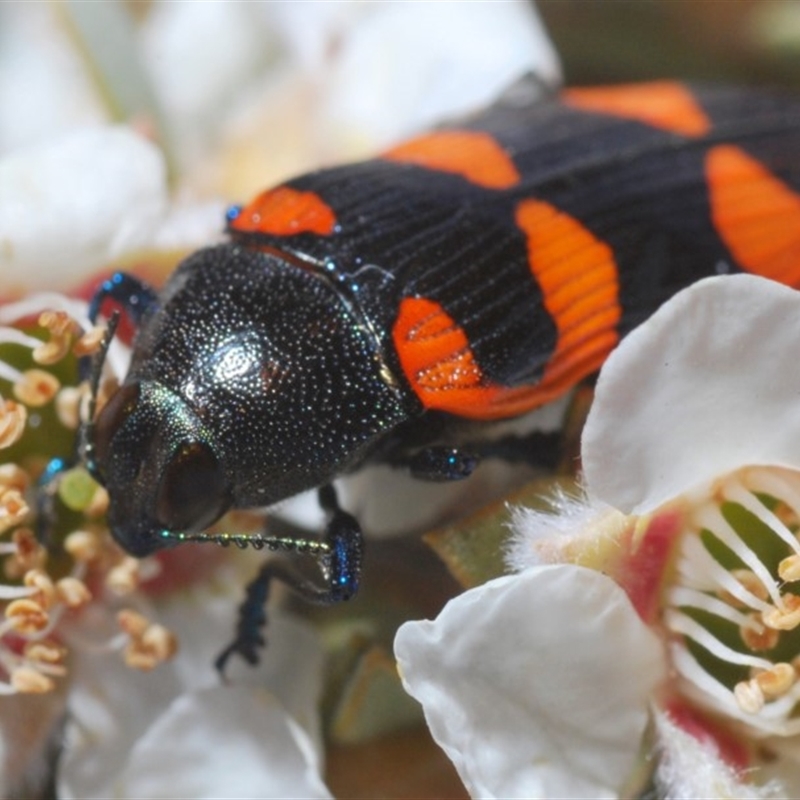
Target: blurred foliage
<point>743,41</point>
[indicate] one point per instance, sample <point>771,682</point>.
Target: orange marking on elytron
<point>577,275</point>
<point>662,104</point>
<point>436,359</point>
<point>755,213</point>
<point>285,212</point>
<point>474,155</point>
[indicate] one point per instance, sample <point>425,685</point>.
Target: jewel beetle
<point>389,311</point>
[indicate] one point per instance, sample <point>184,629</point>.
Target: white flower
<point>221,100</point>
<point>514,698</point>
<point>238,96</point>
<point>150,723</point>
<point>178,732</point>
<point>75,204</point>
<point>695,430</point>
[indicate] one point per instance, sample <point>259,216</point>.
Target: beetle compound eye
<point>192,492</point>
<point>112,418</point>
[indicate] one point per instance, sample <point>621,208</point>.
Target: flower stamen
<point>698,568</point>
<point>61,328</point>
<point>26,616</point>
<point>777,681</point>
<point>711,519</point>
<point>786,618</point>
<point>685,597</point>
<point>28,680</point>
<point>736,493</point>
<point>89,342</point>
<point>124,577</point>
<point>727,608</point>
<point>38,600</point>
<point>789,569</point>
<point>685,625</point>
<point>72,592</point>
<point>25,553</point>
<point>759,637</point>
<point>13,509</point>
<point>13,417</point>
<point>148,644</point>
<point>771,684</point>
<point>36,387</point>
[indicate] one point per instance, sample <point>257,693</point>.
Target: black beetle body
<point>251,381</point>
<point>392,310</point>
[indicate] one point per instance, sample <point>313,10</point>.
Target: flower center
<point>734,605</point>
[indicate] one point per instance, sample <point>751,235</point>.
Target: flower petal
<point>706,385</point>
<point>464,56</point>
<point>113,708</point>
<point>536,684</point>
<point>230,741</point>
<point>110,708</point>
<point>44,87</point>
<point>71,205</point>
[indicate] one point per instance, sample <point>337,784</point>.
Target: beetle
<point>390,311</point>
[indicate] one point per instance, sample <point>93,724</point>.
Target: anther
<point>68,406</point>
<point>160,641</point>
<point>761,638</point>
<point>12,422</point>
<point>13,509</point>
<point>45,652</point>
<point>786,618</point>
<point>36,388</point>
<point>28,555</point>
<point>149,644</point>
<point>749,696</point>
<point>61,328</point>
<point>154,646</point>
<point>777,681</point>
<point>124,577</point>
<point>41,582</point>
<point>27,680</point>
<point>789,568</point>
<point>90,342</point>
<point>73,592</point>
<point>13,476</point>
<point>83,546</point>
<point>26,616</point>
<point>98,505</point>
<point>132,622</point>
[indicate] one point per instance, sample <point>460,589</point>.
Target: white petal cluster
<point>696,408</point>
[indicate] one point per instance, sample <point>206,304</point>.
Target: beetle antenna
<point>87,425</point>
<point>255,541</point>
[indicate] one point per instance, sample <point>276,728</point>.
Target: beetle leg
<point>537,449</point>
<point>443,463</point>
<point>135,296</point>
<point>249,638</point>
<point>340,562</point>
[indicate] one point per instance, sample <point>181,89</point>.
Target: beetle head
<point>158,465</point>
